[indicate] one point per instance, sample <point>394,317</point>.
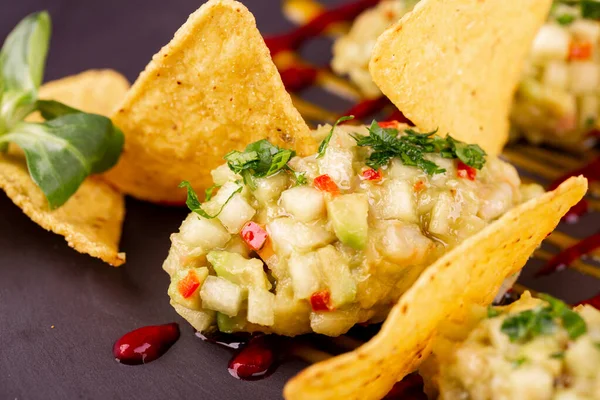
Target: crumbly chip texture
<point>212,89</point>
<point>470,274</point>
<point>91,220</point>
<point>455,64</point>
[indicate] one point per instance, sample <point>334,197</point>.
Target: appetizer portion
<point>558,99</point>
<point>298,244</point>
<point>532,349</point>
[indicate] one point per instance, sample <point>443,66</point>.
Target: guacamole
<point>292,244</point>
<point>532,349</point>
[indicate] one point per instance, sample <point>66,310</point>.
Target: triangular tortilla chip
<point>212,89</point>
<point>469,274</point>
<point>91,220</point>
<point>455,64</point>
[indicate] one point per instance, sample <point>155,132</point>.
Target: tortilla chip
<point>455,64</point>
<point>470,274</point>
<point>213,89</point>
<point>91,220</point>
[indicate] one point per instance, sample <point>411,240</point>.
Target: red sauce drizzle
<point>368,107</point>
<point>410,388</point>
<point>562,260</point>
<point>294,39</point>
<point>298,77</point>
<point>594,301</point>
<point>146,344</point>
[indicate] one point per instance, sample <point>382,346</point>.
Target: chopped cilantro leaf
<point>492,312</point>
<point>565,19</point>
<point>260,159</point>
<point>194,204</point>
<point>571,321</point>
<point>325,142</point>
<point>590,9</point>
<point>411,147</point>
<point>300,178</point>
<point>208,193</point>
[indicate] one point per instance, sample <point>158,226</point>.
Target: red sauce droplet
<point>409,388</point>
<point>298,77</point>
<point>294,39</point>
<point>146,344</point>
<point>563,259</point>
<point>255,361</point>
<point>594,301</point>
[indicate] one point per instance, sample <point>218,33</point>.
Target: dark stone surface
<point>44,283</point>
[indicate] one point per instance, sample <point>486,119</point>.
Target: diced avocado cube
<point>304,270</point>
<point>261,304</point>
<point>239,270</point>
<point>338,278</point>
<point>228,324</point>
<point>348,213</point>
<point>219,294</point>
<point>200,320</point>
<point>182,289</point>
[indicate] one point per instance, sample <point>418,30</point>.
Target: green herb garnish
<point>565,19</point>
<point>71,144</point>
<point>194,204</point>
<point>590,9</point>
<point>410,148</point>
<point>325,142</point>
<point>259,159</point>
<point>492,312</point>
<point>300,178</point>
<point>208,193</point>
<point>528,324</point>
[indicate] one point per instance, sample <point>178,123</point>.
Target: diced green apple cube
<point>304,203</point>
<point>348,214</point>
<point>202,233</point>
<point>261,304</point>
<point>289,236</point>
<point>236,213</point>
<point>244,272</point>
<point>220,295</point>
<point>200,320</point>
<point>304,270</point>
<point>227,324</point>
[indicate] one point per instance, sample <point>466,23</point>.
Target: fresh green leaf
<point>51,109</point>
<point>23,55</point>
<point>300,178</point>
<point>493,312</point>
<point>565,19</point>
<point>208,193</point>
<point>410,148</point>
<point>194,204</point>
<point>528,324</point>
<point>62,152</point>
<point>260,159</point>
<point>590,9</point>
<point>573,323</point>
<point>325,142</point>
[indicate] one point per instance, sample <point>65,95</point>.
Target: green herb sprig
<point>410,148</point>
<point>528,324</point>
<point>325,142</point>
<point>261,159</point>
<point>195,205</point>
<point>70,145</point>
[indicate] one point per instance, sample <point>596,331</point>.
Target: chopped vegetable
<point>466,172</point>
<point>319,301</point>
<point>188,285</point>
<point>325,142</point>
<point>411,147</point>
<point>325,184</point>
<point>372,175</point>
<point>388,124</point>
<point>194,204</point>
<point>492,312</point>
<point>254,235</point>
<point>580,50</point>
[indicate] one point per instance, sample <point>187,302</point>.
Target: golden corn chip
<point>91,220</point>
<point>455,64</point>
<point>469,274</point>
<point>212,89</point>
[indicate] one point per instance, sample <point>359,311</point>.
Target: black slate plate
<point>61,311</point>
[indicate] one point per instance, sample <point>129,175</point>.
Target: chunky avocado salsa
<point>532,349</point>
<point>289,245</point>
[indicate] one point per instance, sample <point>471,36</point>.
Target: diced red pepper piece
<point>372,175</point>
<point>325,184</point>
<point>188,285</point>
<point>254,235</point>
<point>580,50</point>
<point>320,300</point>
<point>419,185</point>
<point>466,172</point>
<point>388,124</point>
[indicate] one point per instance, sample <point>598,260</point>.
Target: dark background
<point>43,283</point>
